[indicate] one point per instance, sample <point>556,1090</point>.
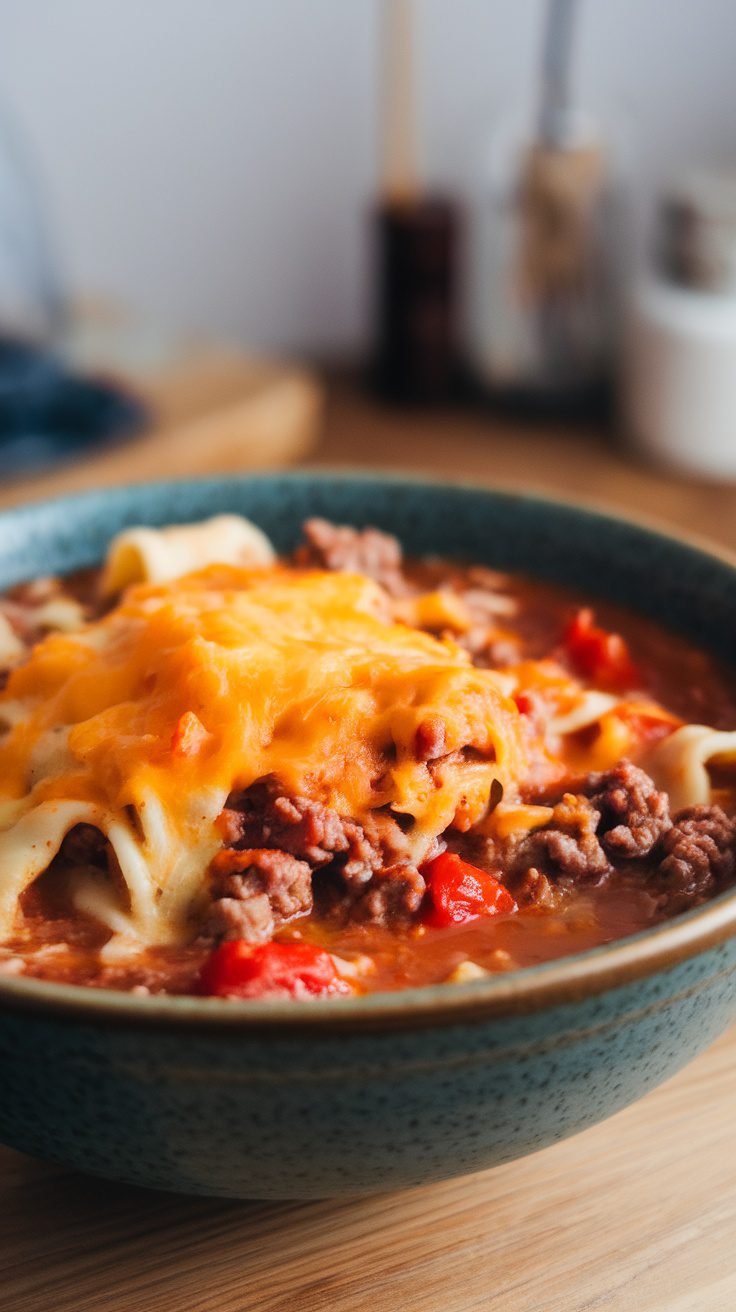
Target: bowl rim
<point>530,989</point>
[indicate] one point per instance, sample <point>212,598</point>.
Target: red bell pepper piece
<point>269,970</point>
<point>459,892</point>
<point>601,656</point>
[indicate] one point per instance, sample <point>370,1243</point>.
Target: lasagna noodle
<point>145,721</point>
<point>679,764</point>
<point>157,555</point>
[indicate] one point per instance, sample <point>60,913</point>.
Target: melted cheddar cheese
<point>143,723</point>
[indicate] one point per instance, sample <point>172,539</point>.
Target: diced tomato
<point>189,735</point>
<point>459,892</point>
<point>269,970</point>
<point>601,656</point>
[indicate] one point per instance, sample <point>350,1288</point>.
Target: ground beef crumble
<point>634,814</point>
<point>608,829</point>
<point>263,816</point>
<point>699,857</point>
<point>276,843</point>
<point>254,891</point>
<point>535,890</point>
<point>394,895</point>
<point>361,551</point>
<point>566,846</point>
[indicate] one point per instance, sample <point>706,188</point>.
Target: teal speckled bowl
<point>341,1097</point>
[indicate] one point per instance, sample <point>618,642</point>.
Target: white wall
<point>212,160</point>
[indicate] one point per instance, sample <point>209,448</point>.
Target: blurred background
<point>489,238</point>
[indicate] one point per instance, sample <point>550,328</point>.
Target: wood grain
<point>636,1215</point>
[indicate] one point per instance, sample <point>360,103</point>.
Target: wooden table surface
<point>635,1215</point>
<point>471,445</point>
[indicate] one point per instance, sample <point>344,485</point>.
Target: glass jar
<point>542,273</point>
<point>678,375</point>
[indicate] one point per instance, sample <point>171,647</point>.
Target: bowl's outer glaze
<point>315,1112</point>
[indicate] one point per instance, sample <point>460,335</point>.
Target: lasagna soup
<point>228,773</point>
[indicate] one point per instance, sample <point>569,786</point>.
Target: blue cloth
<point>48,415</point>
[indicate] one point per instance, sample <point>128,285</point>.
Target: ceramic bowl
<point>349,1096</point>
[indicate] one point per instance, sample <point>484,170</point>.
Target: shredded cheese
<point>143,723</point>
